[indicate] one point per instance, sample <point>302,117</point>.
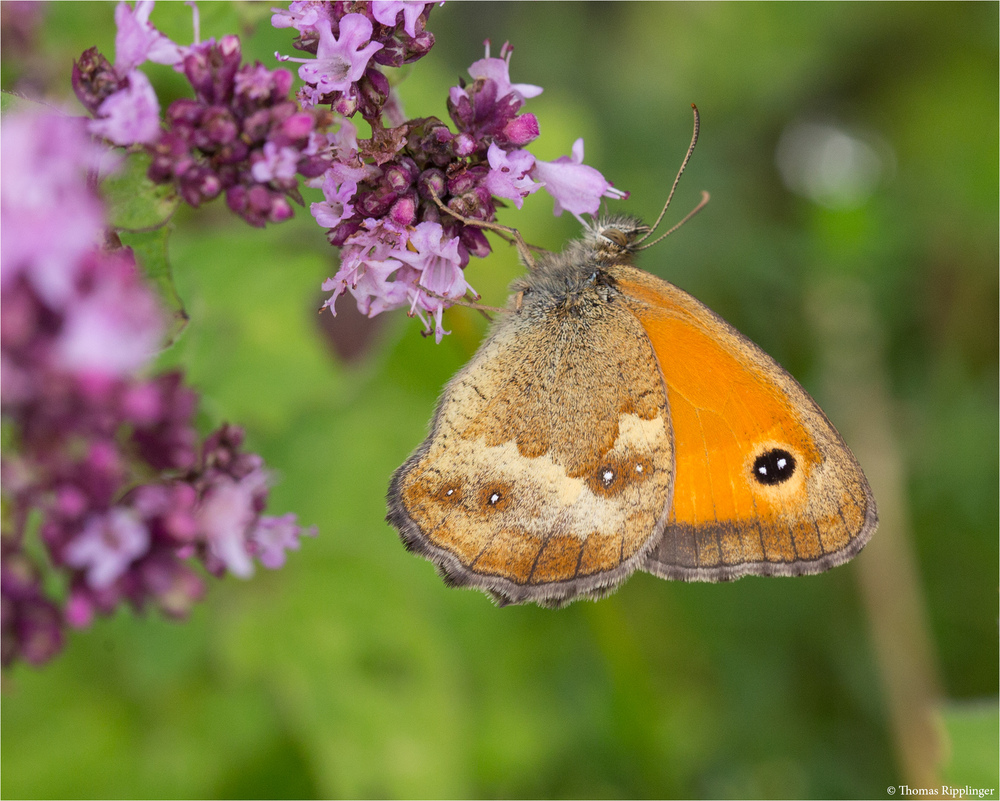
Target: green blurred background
<point>851,153</point>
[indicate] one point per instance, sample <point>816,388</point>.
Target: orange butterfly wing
<point>764,484</point>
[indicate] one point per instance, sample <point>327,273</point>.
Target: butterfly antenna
<point>677,180</point>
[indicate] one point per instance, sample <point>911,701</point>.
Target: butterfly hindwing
<point>548,470</point>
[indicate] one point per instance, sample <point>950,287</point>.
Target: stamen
<point>196,20</point>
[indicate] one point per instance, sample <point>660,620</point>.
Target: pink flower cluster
<point>241,134</point>
<point>350,41</point>
<point>105,464</point>
<point>382,194</point>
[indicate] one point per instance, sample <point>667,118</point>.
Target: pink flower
<point>436,268</point>
<point>107,546</point>
<point>372,289</point>
<point>344,141</point>
<point>51,216</point>
<point>279,163</point>
<point>113,328</point>
<point>225,517</point>
<point>366,267</point>
<point>576,187</point>
<point>131,115</point>
<point>337,204</point>
<point>498,70</point>
<point>136,41</point>
<point>273,536</point>
<point>508,176</point>
<point>301,15</point>
<point>386,12</point>
<point>257,83</point>
<point>435,259</point>
<point>340,62</point>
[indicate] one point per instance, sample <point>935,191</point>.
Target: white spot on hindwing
<point>541,497</point>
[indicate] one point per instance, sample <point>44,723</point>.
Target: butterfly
<point>610,422</point>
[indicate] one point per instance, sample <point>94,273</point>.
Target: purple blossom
<point>373,290</point>
<point>488,109</point>
<point>276,163</point>
<point>273,536</point>
<point>337,203</point>
<point>340,62</point>
<point>137,41</point>
<point>436,258</point>
<point>383,195</point>
<point>576,187</point>
<point>30,624</point>
<point>256,83</point>
<point>225,517</point>
<point>108,545</point>
<point>385,266</point>
<point>366,266</point>
<point>51,215</point>
<point>131,115</point>
<point>508,177</point>
<point>108,462</point>
<point>303,15</point>
<point>344,144</point>
<point>240,135</point>
<point>498,71</point>
<point>386,12</point>
<point>114,326</point>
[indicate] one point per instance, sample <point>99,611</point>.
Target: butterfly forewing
<point>764,484</point>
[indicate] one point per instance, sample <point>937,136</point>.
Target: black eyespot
<point>774,467</point>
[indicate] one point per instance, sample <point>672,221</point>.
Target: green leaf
<point>150,249</point>
<point>134,202</point>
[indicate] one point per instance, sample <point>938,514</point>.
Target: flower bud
<point>432,182</point>
<point>404,210</point>
<point>94,79</point>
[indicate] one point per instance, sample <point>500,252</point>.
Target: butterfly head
<point>613,239</point>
